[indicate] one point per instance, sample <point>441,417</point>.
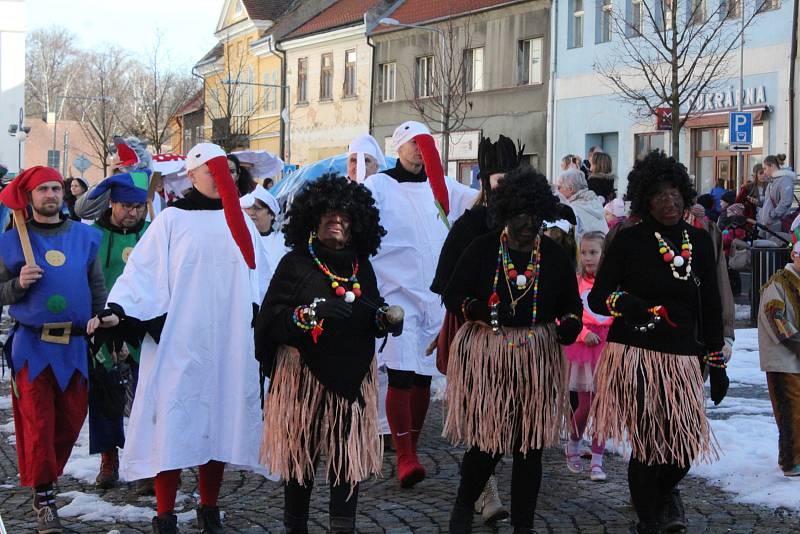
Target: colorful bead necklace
<point>521,280</point>
<point>349,295</point>
<point>534,266</point>
<point>675,260</point>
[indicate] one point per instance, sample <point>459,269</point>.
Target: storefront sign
<point>728,100</point>
<point>664,118</point>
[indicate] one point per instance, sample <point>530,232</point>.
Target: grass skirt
<point>304,421</point>
<point>500,398</point>
<point>654,402</point>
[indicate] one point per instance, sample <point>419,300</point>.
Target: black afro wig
<point>524,190</point>
<point>647,177</point>
<point>335,193</point>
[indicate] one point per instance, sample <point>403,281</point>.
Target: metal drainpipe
<point>372,83</point>
<point>551,104</point>
<point>282,53</point>
<point>792,94</point>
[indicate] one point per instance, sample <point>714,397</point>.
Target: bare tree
<point>440,95</point>
<point>156,93</point>
<point>670,52</point>
<point>105,88</point>
<point>52,64</point>
<point>233,99</point>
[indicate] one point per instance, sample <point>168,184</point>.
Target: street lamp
<point>55,120</point>
<point>388,21</point>
<point>20,132</point>
<point>285,119</point>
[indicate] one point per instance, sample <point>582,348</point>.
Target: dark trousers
<point>297,499</point>
<point>526,478</point>
<point>107,433</point>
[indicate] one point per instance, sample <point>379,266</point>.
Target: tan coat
<point>779,322</point>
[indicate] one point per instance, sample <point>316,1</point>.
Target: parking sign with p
<point>741,128</point>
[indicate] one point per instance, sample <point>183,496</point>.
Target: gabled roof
<point>419,11</point>
<point>298,14</point>
<point>340,14</point>
<point>265,9</point>
<point>212,54</point>
<point>194,103</point>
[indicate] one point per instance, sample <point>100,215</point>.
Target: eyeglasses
<point>131,207</point>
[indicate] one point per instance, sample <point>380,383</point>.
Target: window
<point>350,73</point>
<point>238,9</point>
<point>326,77</point>
<point>529,61</point>
<point>769,5</point>
<point>577,24</point>
<point>730,9</point>
<point>302,80</point>
<point>697,14</point>
<point>198,134</point>
<point>250,90</point>
<point>473,72</point>
<point>271,93</point>
<point>275,90</point>
<point>667,13</point>
<point>424,85</point>
<point>606,21</point>
<point>637,17</point>
<point>646,143</point>
<point>386,82</point>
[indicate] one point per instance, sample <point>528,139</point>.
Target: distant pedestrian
<point>779,194</point>
<point>585,203</point>
<point>601,179</point>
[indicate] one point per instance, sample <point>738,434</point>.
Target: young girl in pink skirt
<point>582,357</point>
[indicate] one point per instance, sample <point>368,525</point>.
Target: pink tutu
<point>579,352</point>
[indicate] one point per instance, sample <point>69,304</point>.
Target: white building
<point>12,77</point>
<point>587,111</point>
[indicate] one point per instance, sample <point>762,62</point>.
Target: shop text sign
<point>727,100</point>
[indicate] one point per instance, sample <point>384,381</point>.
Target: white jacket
<point>588,208</point>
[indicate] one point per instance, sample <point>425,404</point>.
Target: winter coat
<point>603,185</point>
<point>777,199</point>
<point>779,322</point>
<point>588,208</point>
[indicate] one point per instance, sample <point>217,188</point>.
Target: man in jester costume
<point>417,203</point>
<point>190,290</point>
<point>122,225</point>
<point>51,299</point>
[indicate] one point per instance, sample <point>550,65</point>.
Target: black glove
<point>633,309</point>
<point>333,309</point>
<point>719,384</point>
<point>568,330</point>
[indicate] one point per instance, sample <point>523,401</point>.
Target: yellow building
<point>242,74</point>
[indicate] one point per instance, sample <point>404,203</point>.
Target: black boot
<point>208,520</point>
<point>673,512</point>
<point>523,530</point>
<point>646,528</point>
<point>294,524</point>
<point>461,519</point>
<point>165,524</point>
<point>342,525</point>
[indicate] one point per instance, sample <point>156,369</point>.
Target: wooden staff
<point>24,238</point>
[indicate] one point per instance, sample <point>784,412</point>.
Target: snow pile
<point>89,507</point>
<point>81,465</point>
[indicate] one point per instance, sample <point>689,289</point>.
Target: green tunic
<point>112,255</point>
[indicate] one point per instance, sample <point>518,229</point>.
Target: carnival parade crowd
<point>556,311</point>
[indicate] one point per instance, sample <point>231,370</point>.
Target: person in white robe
<point>364,158</point>
<point>417,203</point>
<point>263,208</point>
<point>194,289</point>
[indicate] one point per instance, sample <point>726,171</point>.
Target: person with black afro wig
<point>517,292</point>
<point>658,280</point>
<point>315,336</point>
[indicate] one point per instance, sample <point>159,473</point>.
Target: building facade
<point>242,79</point>
<point>12,80</point>
<point>587,112</point>
<point>500,49</point>
<point>328,70</point>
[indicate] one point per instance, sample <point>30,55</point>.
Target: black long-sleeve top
<point>343,353</point>
<point>472,224</point>
<point>473,277</point>
<point>633,264</point>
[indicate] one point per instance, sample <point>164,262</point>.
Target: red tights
<point>210,483</point>
<point>579,419</point>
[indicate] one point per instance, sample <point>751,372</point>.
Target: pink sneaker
<point>597,474</point>
<point>573,460</point>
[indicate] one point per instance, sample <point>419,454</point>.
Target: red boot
<point>420,399</point>
<point>398,412</point>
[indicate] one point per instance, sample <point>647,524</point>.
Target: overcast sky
<point>187,26</point>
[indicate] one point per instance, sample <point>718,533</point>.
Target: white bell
<point>349,297</point>
<point>521,280</point>
<point>677,261</point>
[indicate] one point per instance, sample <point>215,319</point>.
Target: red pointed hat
<point>15,194</point>
<point>430,157</point>
<point>217,161</point>
<point>126,155</point>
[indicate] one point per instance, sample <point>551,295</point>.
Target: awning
<point>720,118</point>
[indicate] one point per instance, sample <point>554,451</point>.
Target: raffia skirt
<point>500,398</point>
<point>653,402</point>
<point>303,421</point>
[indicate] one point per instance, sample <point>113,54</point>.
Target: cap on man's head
<point>361,145</point>
<point>259,193</point>
<point>201,153</point>
<point>126,187</point>
<point>15,194</point>
<point>408,131</point>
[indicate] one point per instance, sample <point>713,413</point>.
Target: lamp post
<point>55,120</point>
<point>285,119</point>
<point>20,132</point>
<point>445,63</point>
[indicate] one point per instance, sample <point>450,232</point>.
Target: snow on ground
<point>742,312</point>
<point>90,507</point>
<point>5,402</point>
<point>746,430</point>
<point>81,465</point>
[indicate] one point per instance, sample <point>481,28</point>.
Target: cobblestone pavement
<point>568,503</point>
